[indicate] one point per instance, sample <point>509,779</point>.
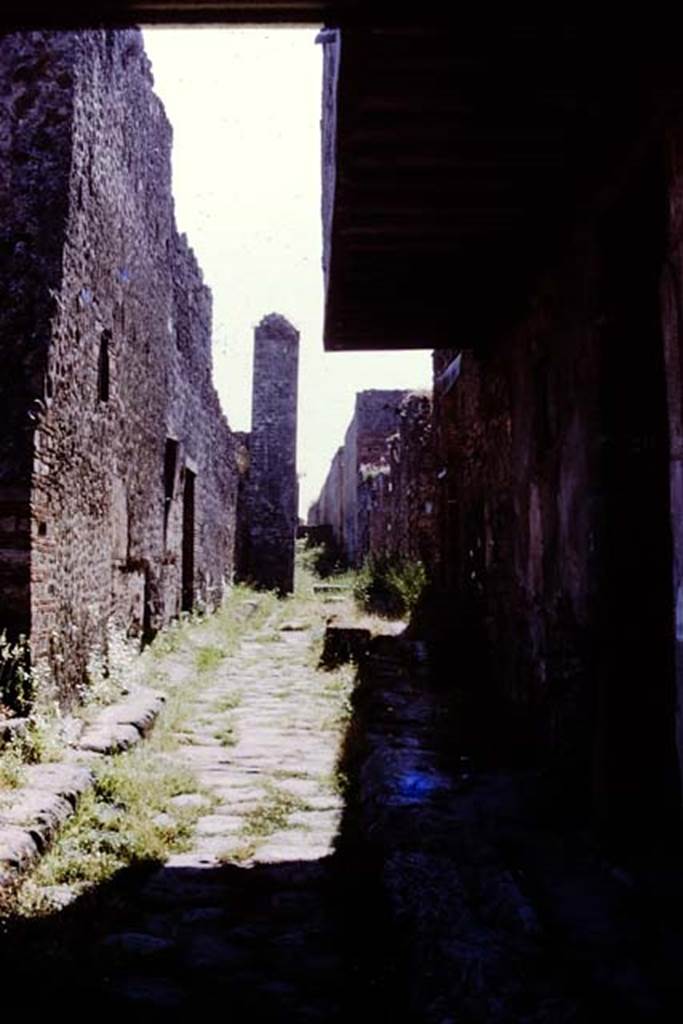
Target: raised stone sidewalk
<point>32,815</point>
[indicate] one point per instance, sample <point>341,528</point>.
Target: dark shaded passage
<point>273,942</point>
<point>497,905</point>
<point>636,771</point>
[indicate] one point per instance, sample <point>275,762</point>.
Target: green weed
<point>226,736</point>
<point>115,826</point>
<point>272,813</point>
<point>17,685</point>
<point>389,586</point>
<point>12,767</point>
<point>208,658</point>
<point>228,702</point>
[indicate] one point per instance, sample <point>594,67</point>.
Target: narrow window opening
<point>103,367</point>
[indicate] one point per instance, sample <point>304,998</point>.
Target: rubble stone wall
<point>328,509</point>
<point>378,496</point>
<point>36,113</point>
<point>401,516</point>
<point>272,487</point>
<point>128,461</point>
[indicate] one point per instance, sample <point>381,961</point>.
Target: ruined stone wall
<point>515,511</point>
<point>36,111</point>
<point>552,451</point>
<point>133,486</point>
<point>400,492</point>
<point>272,489</point>
<point>349,484</point>
<point>241,546</point>
<point>328,509</point>
<point>340,502</point>
<point>378,496</point>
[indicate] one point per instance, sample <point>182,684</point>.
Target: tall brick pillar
<point>272,450</point>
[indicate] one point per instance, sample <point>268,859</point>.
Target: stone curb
<point>121,726</point>
<point>31,816</point>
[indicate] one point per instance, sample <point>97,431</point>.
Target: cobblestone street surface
<point>252,916</point>
<point>337,866</point>
<point>244,914</point>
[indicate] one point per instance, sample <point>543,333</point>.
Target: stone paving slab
<point>292,845</point>
<point>120,726</point>
<point>219,824</point>
<point>242,919</point>
<point>189,800</point>
<point>217,845</point>
<point>218,902</point>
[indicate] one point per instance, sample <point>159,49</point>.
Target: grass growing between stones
<point>227,735</point>
<point>228,702</point>
<point>214,636</point>
<point>116,826</point>
<point>12,767</point>
<point>272,813</point>
<point>208,658</point>
<point>129,819</point>
<point>42,740</point>
<point>312,700</point>
<point>269,816</point>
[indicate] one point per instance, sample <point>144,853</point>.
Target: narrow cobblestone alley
<point>253,915</point>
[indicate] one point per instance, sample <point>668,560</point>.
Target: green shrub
<point>16,679</point>
<point>322,560</point>
<point>389,585</point>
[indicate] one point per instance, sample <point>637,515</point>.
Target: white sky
<point>245,110</point>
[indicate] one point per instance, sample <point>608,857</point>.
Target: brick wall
<point>272,487</point>
<point>129,460</point>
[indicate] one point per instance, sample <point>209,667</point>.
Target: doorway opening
<point>187,602</point>
<point>170,462</point>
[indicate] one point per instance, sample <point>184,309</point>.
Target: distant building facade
<point>378,497</point>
